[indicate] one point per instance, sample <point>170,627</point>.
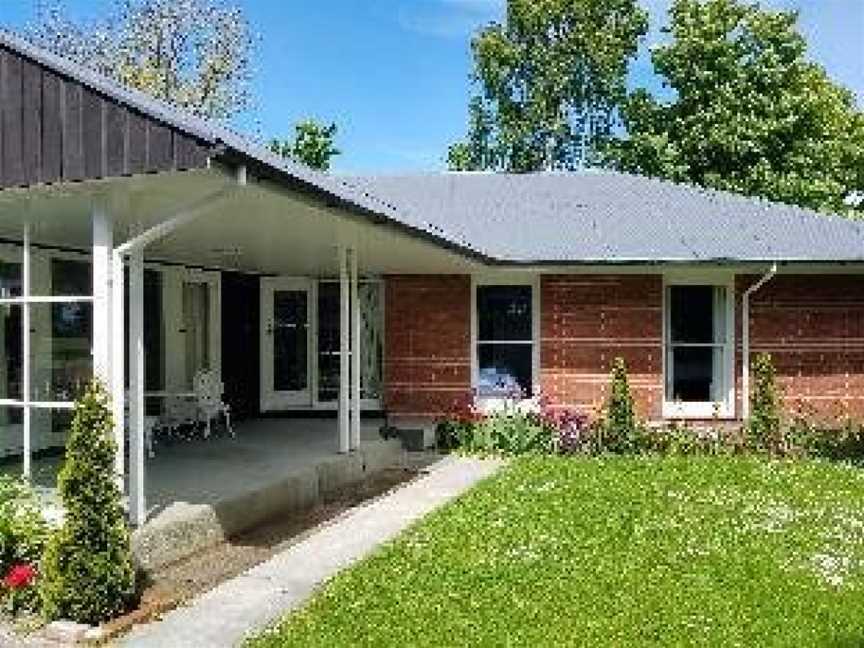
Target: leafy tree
<point>750,113</point>
<point>549,80</point>
<point>620,424</point>
<point>313,144</point>
<point>192,53</point>
<point>87,571</point>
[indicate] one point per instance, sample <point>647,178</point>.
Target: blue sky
<point>393,74</point>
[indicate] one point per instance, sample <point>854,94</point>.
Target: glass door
<point>328,338</point>
<point>285,343</point>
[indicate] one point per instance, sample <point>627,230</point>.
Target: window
<point>697,350</point>
<point>196,325</point>
<point>505,340</point>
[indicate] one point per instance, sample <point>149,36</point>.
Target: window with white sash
<point>698,350</point>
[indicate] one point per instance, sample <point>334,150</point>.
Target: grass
<point>614,551</point>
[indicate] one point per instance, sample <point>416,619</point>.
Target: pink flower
<point>19,577</point>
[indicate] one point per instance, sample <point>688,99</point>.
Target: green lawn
<point>553,552</point>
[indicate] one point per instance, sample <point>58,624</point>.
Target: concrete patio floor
<point>205,471</point>
<point>201,491</point>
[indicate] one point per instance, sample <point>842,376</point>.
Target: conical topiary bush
<point>87,572</point>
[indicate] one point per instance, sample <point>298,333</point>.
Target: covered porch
<point>215,269</point>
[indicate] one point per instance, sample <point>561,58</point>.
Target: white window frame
<point>725,408</point>
<point>25,253</point>
<point>491,403</point>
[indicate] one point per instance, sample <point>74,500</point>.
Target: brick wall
<point>813,327</point>
<point>587,321</point>
<point>427,360</point>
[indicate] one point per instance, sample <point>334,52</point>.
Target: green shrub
<point>23,533</point>
<point>620,427</point>
<point>87,571</point>
<point>22,527</point>
<point>764,426</point>
<point>513,432</point>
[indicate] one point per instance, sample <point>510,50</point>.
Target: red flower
<point>19,577</point>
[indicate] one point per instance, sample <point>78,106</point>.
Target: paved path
<point>224,616</point>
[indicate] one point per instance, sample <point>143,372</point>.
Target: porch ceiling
<point>257,228</point>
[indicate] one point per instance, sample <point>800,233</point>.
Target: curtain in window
<point>196,323</point>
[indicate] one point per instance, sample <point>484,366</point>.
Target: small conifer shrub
<point>620,426</point>
<point>87,572</point>
<point>764,427</point>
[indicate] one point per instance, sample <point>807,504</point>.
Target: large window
<point>505,340</point>
<point>697,348</point>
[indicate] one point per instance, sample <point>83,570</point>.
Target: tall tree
<point>313,144</point>
<point>750,112</point>
<point>193,53</point>
<point>549,80</point>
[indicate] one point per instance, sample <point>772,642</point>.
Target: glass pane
<point>196,324</point>
<point>62,360</point>
<point>11,352</point>
<point>10,280</point>
<point>504,313</point>
<point>154,366</point>
<point>71,278</point>
<point>328,341</point>
<point>290,333</point>
<point>505,370</point>
<point>11,442</point>
<point>693,374</point>
<point>691,314</point>
<point>371,340</point>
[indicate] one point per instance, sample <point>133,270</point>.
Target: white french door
<point>286,341</point>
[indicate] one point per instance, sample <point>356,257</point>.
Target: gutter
<point>745,339</point>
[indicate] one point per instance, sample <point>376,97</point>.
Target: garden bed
<point>614,551</point>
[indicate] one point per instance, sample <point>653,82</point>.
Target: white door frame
<point>271,399</point>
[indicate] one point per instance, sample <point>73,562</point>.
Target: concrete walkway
<point>248,603</point>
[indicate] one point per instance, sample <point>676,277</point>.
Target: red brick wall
<point>587,321</point>
<point>427,359</point>
<point>813,327</point>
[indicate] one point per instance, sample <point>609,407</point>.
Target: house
<point>140,245</point>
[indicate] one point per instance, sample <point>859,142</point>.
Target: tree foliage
<point>549,80</point>
<point>313,144</point>
<point>193,53</point>
<point>87,570</point>
<point>750,113</point>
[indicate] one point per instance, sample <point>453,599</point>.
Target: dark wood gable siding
<point>55,129</point>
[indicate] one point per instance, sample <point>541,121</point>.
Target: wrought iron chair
<point>209,390</point>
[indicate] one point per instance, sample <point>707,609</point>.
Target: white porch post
<point>344,415</point>
<point>103,244</point>
<point>27,359</point>
<point>355,354</point>
<point>137,504</point>
<point>118,365</point>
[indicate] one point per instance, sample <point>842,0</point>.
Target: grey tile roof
<point>608,217</point>
<point>538,218</point>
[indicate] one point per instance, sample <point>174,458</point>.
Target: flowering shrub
<point>456,429</point>
<point>23,533</point>
<point>19,588</point>
<point>518,427</point>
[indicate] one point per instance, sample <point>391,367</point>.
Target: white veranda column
<point>344,313</point>
<point>27,359</point>
<point>103,245</point>
<point>137,504</point>
<point>355,354</point>
<point>118,365</point>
